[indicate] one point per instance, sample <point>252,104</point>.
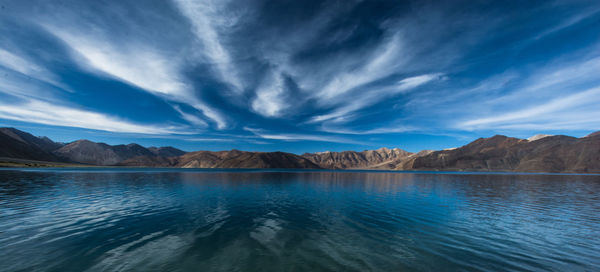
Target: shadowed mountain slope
<point>22,145</point>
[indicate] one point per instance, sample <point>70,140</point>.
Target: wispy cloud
<point>209,140</point>
<point>553,115</point>
<point>30,69</point>
<point>138,65</point>
<point>568,22</point>
<point>135,64</point>
<point>269,99</point>
<point>35,111</point>
<point>380,130</point>
<point>299,137</point>
<point>378,66</point>
<point>372,96</point>
<point>207,18</point>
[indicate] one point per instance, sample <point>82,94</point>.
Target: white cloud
<point>300,137</point>
<point>381,130</point>
<point>568,22</point>
<point>190,117</point>
<point>579,110</point>
<point>269,99</point>
<point>370,97</point>
<point>209,140</point>
<point>206,20</point>
<point>35,111</point>
<point>381,65</point>
<point>16,63</point>
<point>27,68</point>
<point>138,65</point>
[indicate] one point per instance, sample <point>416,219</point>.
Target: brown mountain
<point>167,151</point>
<point>225,159</point>
<point>541,153</point>
<point>500,153</point>
<point>88,152</point>
<point>22,145</point>
<point>382,158</point>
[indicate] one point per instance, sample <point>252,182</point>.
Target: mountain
<point>88,152</point>
<point>500,153</point>
<point>225,159</point>
<point>166,151</point>
<point>368,159</point>
<point>540,153</point>
<point>22,145</point>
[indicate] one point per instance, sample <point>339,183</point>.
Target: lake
<point>279,220</point>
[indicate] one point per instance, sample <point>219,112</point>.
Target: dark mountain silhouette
<point>22,145</point>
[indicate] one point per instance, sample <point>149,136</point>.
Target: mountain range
<point>541,153</point>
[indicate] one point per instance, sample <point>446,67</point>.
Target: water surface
<point>237,220</point>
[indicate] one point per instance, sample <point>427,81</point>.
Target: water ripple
<point>104,220</point>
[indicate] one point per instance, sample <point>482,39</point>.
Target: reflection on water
<point>170,220</point>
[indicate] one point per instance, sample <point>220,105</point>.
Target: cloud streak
<point>207,17</point>
<point>40,112</point>
<point>138,65</point>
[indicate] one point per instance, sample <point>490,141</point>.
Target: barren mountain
<point>22,145</point>
<point>84,151</point>
<point>501,153</point>
<point>226,159</point>
<point>166,151</point>
<point>541,153</point>
<point>367,159</point>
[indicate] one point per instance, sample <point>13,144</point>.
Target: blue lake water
<point>251,220</point>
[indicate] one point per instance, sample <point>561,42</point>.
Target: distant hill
<point>166,151</point>
<point>500,153</point>
<point>22,145</point>
<point>226,159</point>
<point>84,151</point>
<point>541,153</point>
<point>381,158</point>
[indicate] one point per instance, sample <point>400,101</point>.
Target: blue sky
<point>299,76</point>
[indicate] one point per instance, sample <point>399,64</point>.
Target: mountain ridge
<point>540,153</point>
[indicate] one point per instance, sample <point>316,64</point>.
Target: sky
<point>299,76</point>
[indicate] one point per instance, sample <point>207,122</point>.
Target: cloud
<point>39,112</point>
<point>378,66</point>
<point>209,140</point>
<point>557,111</point>
<point>21,65</point>
<point>138,65</point>
<point>135,64</point>
<point>269,99</point>
<point>371,96</point>
<point>300,137</point>
<point>568,22</point>
<point>381,130</point>
<point>207,17</point>
<point>18,64</point>
<point>190,117</point>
